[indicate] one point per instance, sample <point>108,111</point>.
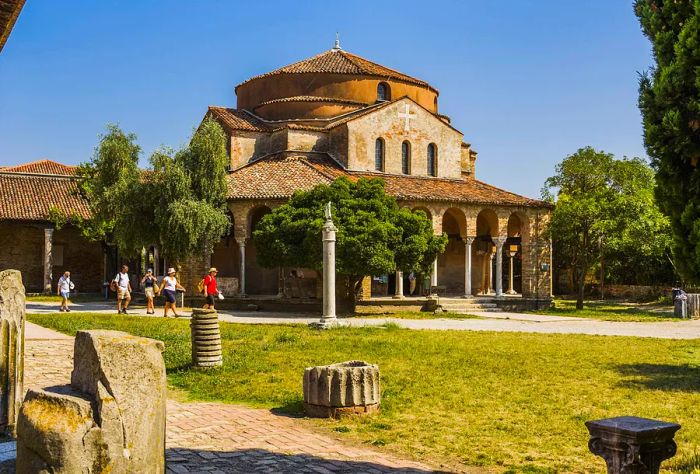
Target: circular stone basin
<point>347,388</point>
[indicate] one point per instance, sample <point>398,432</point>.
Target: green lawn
<point>506,402</point>
<point>74,298</point>
<point>611,311</point>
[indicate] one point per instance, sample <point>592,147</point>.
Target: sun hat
<point>150,270</point>
<point>213,269</point>
<point>171,270</point>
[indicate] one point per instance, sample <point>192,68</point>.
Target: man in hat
<point>210,291</point>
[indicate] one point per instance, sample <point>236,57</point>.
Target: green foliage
<point>669,99</point>
<point>605,207</point>
<point>375,236</point>
<point>180,203</point>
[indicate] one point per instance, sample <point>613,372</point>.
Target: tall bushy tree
<point>374,236</point>
<point>602,203</point>
<point>669,99</point>
<point>179,203</point>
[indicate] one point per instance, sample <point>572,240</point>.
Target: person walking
<point>169,287</point>
<point>63,290</point>
<point>150,288</point>
<point>122,285</point>
<point>210,290</point>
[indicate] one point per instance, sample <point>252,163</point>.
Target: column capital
<point>240,241</point>
<point>469,240</point>
<point>48,231</point>
<point>499,241</point>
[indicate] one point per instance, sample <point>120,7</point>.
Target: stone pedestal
<point>111,418</point>
<point>348,388</point>
<point>693,304</point>
<point>632,445</point>
<point>11,348</point>
<point>206,338</point>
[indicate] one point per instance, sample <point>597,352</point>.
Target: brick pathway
<point>223,438</point>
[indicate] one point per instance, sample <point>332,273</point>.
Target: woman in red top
<point>210,291</point>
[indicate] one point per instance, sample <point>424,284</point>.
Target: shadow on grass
<point>673,378</point>
<point>260,460</point>
<point>290,409</point>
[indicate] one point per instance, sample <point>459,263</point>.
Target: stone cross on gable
<point>407,115</point>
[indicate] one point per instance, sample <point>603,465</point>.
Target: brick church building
<point>334,114</point>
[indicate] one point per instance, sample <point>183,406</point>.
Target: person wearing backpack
<point>122,286</point>
<point>63,289</point>
<point>209,288</point>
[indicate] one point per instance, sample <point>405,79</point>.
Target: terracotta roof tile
<point>9,11</point>
<point>41,167</point>
<point>311,98</point>
<point>279,177</point>
<point>235,119</point>
<point>27,197</point>
<point>337,61</point>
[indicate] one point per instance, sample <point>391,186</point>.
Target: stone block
<point>116,404</point>
<point>206,338</point>
<point>12,307</point>
<point>339,389</point>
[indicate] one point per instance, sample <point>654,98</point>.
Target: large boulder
<point>12,304</point>
<point>117,399</point>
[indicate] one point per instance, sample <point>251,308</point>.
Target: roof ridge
<point>491,186</point>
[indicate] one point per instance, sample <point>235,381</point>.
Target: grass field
<point>504,402</point>
<point>612,311</point>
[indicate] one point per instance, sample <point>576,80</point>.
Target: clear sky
<point>526,81</point>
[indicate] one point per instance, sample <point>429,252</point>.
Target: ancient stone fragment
<point>206,338</point>
<point>11,348</point>
<point>115,405</point>
<point>345,388</point>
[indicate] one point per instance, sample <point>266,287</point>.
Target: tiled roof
<point>41,167</point>
<point>337,61</point>
<point>9,11</point>
<point>27,197</point>
<point>235,119</point>
<point>311,98</point>
<point>280,176</point>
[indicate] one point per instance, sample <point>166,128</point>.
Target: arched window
<point>379,155</point>
<point>406,158</point>
<point>432,160</point>
<point>383,92</point>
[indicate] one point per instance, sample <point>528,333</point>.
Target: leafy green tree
<point>179,203</point>
<point>669,99</point>
<point>375,236</point>
<point>603,205</point>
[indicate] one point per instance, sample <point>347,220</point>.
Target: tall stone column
<point>499,265</point>
<point>329,230</point>
<point>48,260</point>
<point>155,261</point>
<point>468,266</point>
<point>241,278</point>
<point>398,292</point>
<point>511,290</point>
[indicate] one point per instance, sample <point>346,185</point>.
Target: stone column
<point>11,348</point>
<point>328,318</point>
<point>398,292</point>
<point>241,278</point>
<point>155,261</point>
<point>48,260</point>
<point>510,291</point>
<point>632,445</point>
<point>433,274</point>
<point>468,266</point>
<point>499,241</point>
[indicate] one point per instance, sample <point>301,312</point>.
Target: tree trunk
<point>581,287</point>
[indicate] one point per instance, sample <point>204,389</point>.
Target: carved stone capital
<point>469,240</point>
<point>632,445</point>
<point>499,241</point>
<point>241,241</point>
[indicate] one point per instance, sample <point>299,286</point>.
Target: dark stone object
<point>632,445</point>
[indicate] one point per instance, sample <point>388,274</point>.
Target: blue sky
<point>527,82</point>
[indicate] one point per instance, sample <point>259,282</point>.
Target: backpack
<point>200,286</point>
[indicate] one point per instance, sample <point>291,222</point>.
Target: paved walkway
<point>489,321</point>
<point>223,438</point>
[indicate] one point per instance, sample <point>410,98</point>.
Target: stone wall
<point>22,248</point>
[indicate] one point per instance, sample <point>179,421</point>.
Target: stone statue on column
<point>328,318</point>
